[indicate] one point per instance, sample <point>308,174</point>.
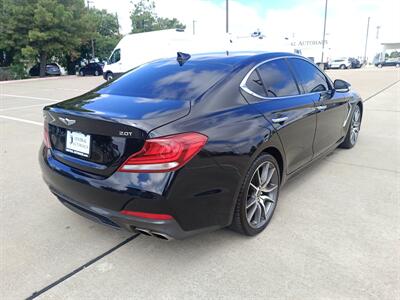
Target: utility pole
<point>323,36</point>
<point>194,27</point>
<point>227,16</point>
<point>366,42</point>
<point>88,5</point>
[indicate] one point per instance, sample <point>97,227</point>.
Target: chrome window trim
<point>244,87</point>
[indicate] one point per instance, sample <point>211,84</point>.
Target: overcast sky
<point>303,19</point>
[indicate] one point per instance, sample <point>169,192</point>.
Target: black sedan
<point>91,69</point>
<point>181,146</point>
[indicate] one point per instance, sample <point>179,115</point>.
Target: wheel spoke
<point>264,210</point>
<point>270,189</point>
<point>253,186</point>
<point>271,173</point>
<point>266,198</point>
<point>257,217</point>
<point>251,213</point>
<point>264,174</point>
<point>251,202</point>
<point>259,177</point>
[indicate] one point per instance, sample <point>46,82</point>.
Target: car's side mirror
<point>341,85</point>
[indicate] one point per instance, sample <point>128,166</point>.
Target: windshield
<point>166,79</point>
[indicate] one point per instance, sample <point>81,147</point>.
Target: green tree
<point>105,34</point>
<point>57,27</point>
<point>144,18</point>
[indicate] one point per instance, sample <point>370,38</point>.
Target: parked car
<point>342,63</point>
<point>52,69</point>
<point>355,63</point>
<point>91,69</point>
<point>389,62</point>
<point>190,144</point>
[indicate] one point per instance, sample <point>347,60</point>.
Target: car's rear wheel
<point>96,73</point>
<point>354,129</point>
<point>397,65</point>
<point>379,66</point>
<point>81,73</point>
<point>342,67</point>
<point>258,196</point>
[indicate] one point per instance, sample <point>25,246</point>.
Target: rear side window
<point>255,84</point>
<point>309,76</point>
<point>278,79</point>
<point>166,79</point>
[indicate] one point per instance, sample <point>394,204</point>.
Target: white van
<point>139,48</point>
<point>136,49</point>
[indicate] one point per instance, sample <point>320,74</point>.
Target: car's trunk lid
<point>115,127</point>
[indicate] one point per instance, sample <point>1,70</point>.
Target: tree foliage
<point>105,34</point>
<point>144,18</point>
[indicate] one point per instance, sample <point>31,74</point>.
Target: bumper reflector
<point>145,215</point>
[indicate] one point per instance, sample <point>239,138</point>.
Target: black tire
<point>342,67</point>
<point>109,76</point>
<point>240,222</point>
<point>379,65</point>
<point>397,65</point>
<point>81,73</point>
<point>349,141</point>
<point>96,73</point>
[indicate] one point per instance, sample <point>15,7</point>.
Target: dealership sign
<point>308,43</point>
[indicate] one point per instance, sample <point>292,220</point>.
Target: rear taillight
<point>46,137</point>
<point>165,154</point>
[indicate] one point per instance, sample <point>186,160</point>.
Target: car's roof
<point>235,58</point>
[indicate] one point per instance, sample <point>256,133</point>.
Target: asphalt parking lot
<point>335,233</point>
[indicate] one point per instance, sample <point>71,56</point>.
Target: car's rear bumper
<point>103,199</point>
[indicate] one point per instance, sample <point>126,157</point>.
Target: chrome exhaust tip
<point>144,231</point>
<point>161,236</point>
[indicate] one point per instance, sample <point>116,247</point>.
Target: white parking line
<point>22,107</point>
<point>28,97</point>
<point>21,120</point>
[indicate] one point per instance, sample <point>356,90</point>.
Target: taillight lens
<point>165,154</point>
<point>46,137</point>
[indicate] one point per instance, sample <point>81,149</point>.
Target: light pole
<point>88,5</point>
<point>194,27</point>
<point>227,16</point>
<point>323,36</point>
<point>366,41</point>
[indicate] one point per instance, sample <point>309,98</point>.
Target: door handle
<point>279,120</point>
<point>321,107</point>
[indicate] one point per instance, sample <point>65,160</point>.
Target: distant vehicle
<point>355,63</point>
<point>91,69</point>
<point>390,62</point>
<point>52,69</point>
<point>342,63</point>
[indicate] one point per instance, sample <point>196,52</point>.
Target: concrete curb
<point>36,79</point>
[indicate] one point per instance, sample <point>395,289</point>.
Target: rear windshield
<point>168,80</point>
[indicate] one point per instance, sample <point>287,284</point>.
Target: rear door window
<point>309,76</point>
<point>277,78</point>
<point>255,84</point>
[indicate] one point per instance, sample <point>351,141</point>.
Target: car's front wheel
<point>342,67</point>
<point>81,73</point>
<point>96,73</point>
<point>354,129</point>
<point>397,65</point>
<point>258,196</point>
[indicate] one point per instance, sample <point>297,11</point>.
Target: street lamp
<point>323,36</point>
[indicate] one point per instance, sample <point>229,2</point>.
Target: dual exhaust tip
<point>159,235</point>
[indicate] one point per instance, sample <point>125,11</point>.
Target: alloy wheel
<point>355,125</point>
<point>262,195</point>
